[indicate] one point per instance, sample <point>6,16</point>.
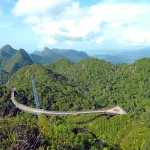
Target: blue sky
<point>88,25</point>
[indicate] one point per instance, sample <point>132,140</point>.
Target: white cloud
<point>31,7</point>
<point>115,24</point>
<point>32,20</point>
<point>66,21</point>
<point>48,40</point>
<point>136,37</point>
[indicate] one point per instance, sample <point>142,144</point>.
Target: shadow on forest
<point>21,95</point>
<point>94,118</point>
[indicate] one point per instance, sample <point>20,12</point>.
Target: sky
<point>87,25</point>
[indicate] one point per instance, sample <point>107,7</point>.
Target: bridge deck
<point>117,110</point>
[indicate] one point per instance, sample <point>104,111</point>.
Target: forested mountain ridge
<point>9,55</point>
<point>11,60</point>
<point>52,55</point>
<point>21,58</point>
<point>48,56</point>
<point>87,85</point>
<point>3,61</point>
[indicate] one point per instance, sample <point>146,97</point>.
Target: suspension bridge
<point>116,110</point>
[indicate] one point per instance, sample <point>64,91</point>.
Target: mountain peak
<point>21,58</point>
<point>46,49</point>
<point>6,46</point>
<point>7,51</point>
<point>22,50</point>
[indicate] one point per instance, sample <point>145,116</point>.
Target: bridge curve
<point>117,110</point>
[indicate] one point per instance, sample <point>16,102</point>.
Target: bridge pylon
<point>35,94</point>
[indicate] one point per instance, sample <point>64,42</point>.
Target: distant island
<point>129,56</point>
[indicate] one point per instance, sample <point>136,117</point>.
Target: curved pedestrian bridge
<point>117,110</point>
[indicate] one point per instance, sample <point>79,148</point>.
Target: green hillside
<point>3,61</point>
<point>6,52</point>
<point>60,66</point>
<point>4,76</point>
<point>90,84</point>
<point>21,58</point>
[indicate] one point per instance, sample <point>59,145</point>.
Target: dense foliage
<point>89,84</point>
<point>4,76</point>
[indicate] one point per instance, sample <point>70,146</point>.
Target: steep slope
<point>3,61</point>
<point>21,58</point>
<point>4,76</point>
<point>7,51</point>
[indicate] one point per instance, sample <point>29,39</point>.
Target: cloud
<point>48,40</point>
<point>65,21</point>
<point>136,37</point>
<point>32,7</point>
<point>32,20</point>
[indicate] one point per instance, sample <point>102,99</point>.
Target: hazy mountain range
<point>52,55</point>
<point>12,59</point>
<point>125,56</point>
